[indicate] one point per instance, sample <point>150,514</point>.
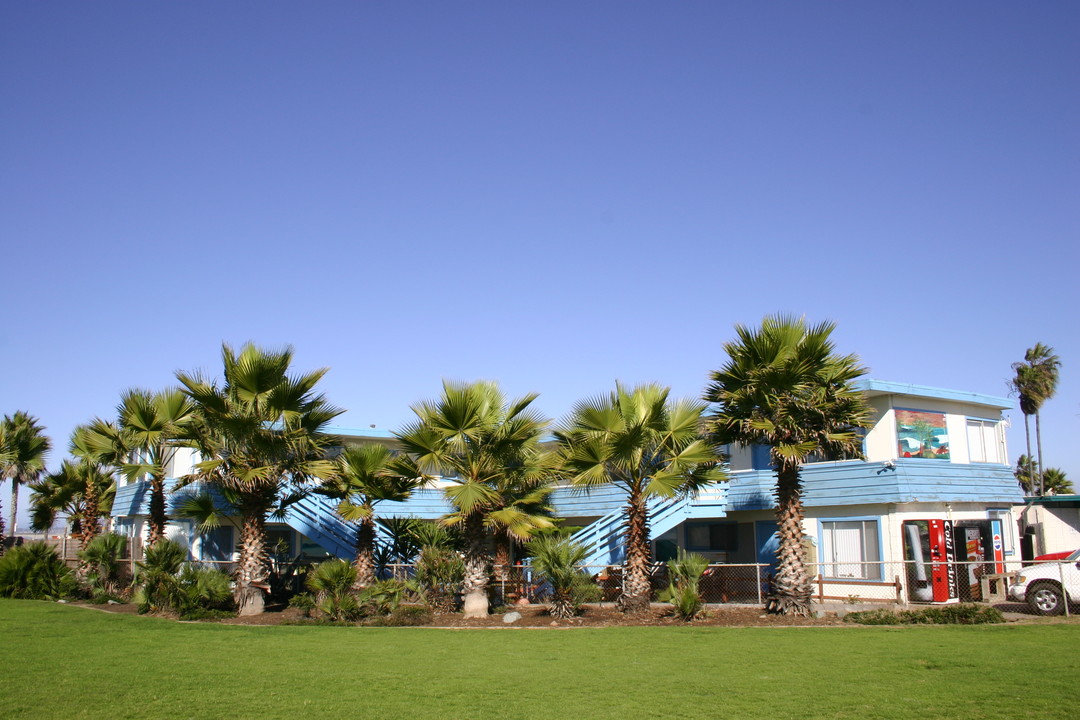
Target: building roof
<point>883,387</point>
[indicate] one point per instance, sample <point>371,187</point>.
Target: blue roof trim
<point>895,388</point>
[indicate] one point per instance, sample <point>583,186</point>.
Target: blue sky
<point>553,195</point>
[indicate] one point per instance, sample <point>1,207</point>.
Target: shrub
<point>34,571</point>
<point>439,573</point>
<point>684,592</point>
<point>962,614</point>
<point>331,583</point>
<point>557,560</point>
<point>168,584</point>
<point>102,559</point>
<point>405,616</point>
<point>384,597</point>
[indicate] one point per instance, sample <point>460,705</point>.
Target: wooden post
<point>899,590</point>
<point>821,587</point>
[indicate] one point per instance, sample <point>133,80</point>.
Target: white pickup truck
<point>1040,586</point>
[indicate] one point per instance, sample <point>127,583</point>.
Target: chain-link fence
<point>749,583</point>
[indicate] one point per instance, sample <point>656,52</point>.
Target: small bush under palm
<point>102,560</point>
<point>557,560</point>
<point>168,584</point>
<point>439,573</point>
<point>684,592</point>
<point>384,597</point>
<point>331,583</point>
<point>34,571</point>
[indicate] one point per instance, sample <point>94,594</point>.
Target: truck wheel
<point>1045,598</point>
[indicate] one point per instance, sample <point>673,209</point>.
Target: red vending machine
<point>942,559</point>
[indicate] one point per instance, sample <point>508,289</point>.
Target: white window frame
<point>985,440</point>
<point>843,560</point>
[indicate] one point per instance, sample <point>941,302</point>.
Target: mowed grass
<point>66,662</point>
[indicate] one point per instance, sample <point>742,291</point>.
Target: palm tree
<point>81,489</point>
<point>150,428</point>
<point>784,386</point>
<point>1036,382</point>
<point>481,444</point>
<point>364,476</point>
<point>638,441</point>
<point>1045,366</point>
<point>1023,384</point>
<point>23,447</point>
<point>1025,476</point>
<point>260,433</point>
<point>1054,482</point>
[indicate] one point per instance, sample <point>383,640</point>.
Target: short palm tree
<point>785,387</point>
<point>480,443</point>
<point>558,559</point>
<point>649,447</point>
<point>23,447</point>
<point>364,476</point>
<point>260,434</point>
<point>82,490</point>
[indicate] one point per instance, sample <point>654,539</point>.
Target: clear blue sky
<point>553,195</point>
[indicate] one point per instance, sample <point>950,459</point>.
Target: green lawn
<point>66,662</point>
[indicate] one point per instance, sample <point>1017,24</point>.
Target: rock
<point>819,614</point>
<point>62,601</point>
<point>511,617</point>
<point>554,623</point>
<point>522,602</point>
<point>113,602</point>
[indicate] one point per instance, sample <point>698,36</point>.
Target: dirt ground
<point>607,615</point>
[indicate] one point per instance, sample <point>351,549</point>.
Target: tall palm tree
<point>1023,384</point>
<point>150,428</point>
<point>364,476</point>
<point>260,433</point>
<point>23,447</point>
<point>480,443</point>
<point>784,386</point>
<point>1045,366</point>
<point>644,444</point>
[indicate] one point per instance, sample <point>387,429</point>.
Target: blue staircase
<point>605,535</point>
<point>316,518</point>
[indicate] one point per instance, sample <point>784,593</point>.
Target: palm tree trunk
<point>476,568</point>
<point>1030,457</point>
<point>792,588</point>
<point>254,571</point>
<point>365,554</point>
<point>3,535</point>
<point>89,529</point>
<point>637,590</point>
<point>14,508</point>
<point>1039,465</point>
<point>158,518</point>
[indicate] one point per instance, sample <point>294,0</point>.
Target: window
<point>712,537</point>
<point>846,545</point>
<point>217,544</point>
<point>985,443</point>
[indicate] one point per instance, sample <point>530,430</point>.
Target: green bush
<point>102,559</point>
<point>557,559</point>
<point>439,574</point>
<point>384,597</point>
<point>962,614</point>
<point>684,592</point>
<point>168,584</point>
<point>34,571</point>
<point>331,583</point>
<point>405,616</point>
